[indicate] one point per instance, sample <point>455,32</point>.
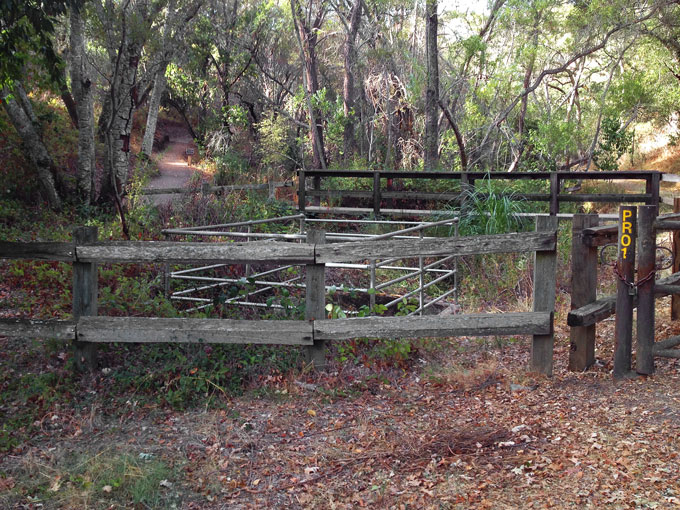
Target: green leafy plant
<point>487,211</point>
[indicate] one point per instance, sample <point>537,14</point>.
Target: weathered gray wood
<point>302,199</point>
<point>668,353</point>
<point>478,324</point>
<point>675,300</point>
<point>583,292</point>
<point>545,266</point>
<point>34,328</point>
<point>666,290</point>
<point>606,306</point>
<point>554,193</point>
<point>592,313</point>
<point>315,304</point>
<point>667,225</point>
<point>623,327</point>
<point>85,298</point>
<point>376,194</point>
<point>503,243</point>
<point>600,236</point>
<point>666,344</point>
<point>180,330</point>
<point>644,358</point>
<point>37,251</point>
<point>178,252</point>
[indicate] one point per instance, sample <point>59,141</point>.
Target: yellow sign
<point>626,232</point>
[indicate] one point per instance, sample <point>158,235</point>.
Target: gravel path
<point>172,165</point>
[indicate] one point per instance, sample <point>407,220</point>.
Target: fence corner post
<point>315,306</point>
<point>84,298</point>
<point>645,315</point>
<point>545,263</point>
<point>583,292</point>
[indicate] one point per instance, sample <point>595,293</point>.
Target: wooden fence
<point>269,186</point>
<point>87,329</point>
<point>641,292</point>
<point>467,180</point>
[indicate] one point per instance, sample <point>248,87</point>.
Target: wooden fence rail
<point>467,181</point>
<point>87,329</point>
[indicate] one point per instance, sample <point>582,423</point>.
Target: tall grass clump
<point>487,211</point>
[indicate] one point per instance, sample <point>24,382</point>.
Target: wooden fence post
<point>623,329</point>
<point>645,315</point>
<point>652,185</point>
<point>583,291</point>
<point>85,298</point>
<point>376,194</point>
<point>544,298</point>
<point>554,193</point>
<point>317,187</point>
<point>675,300</point>
<point>315,306</point>
<point>302,197</point>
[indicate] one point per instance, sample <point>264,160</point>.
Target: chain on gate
<point>634,286</point>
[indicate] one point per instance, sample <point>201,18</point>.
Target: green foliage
<point>231,167</point>
<point>614,143</point>
<point>26,29</point>
<point>185,376</point>
<point>274,142</point>
<point>488,211</point>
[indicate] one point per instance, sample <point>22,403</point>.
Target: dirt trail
<point>172,164</point>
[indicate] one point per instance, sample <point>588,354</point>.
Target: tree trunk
<point>158,84</point>
<point>431,151</point>
<point>120,124</point>
<point>21,116</point>
<point>350,61</point>
<point>154,106</point>
<point>83,94</point>
<point>307,39</point>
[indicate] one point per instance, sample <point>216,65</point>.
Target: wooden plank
<point>583,291</point>
<point>666,344</point>
<point>179,252</point>
<point>668,353</point>
<point>623,327</point>
<point>213,331</point>
<point>391,174</point>
<point>606,197</point>
<point>606,306</point>
<point>85,298</point>
<point>502,243</point>
<point>434,326</point>
<point>644,358</point>
<point>315,300</point>
<point>37,251</point>
<point>545,266</point>
<point>600,235</point>
<point>593,312</point>
<point>34,328</point>
<point>667,225</point>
